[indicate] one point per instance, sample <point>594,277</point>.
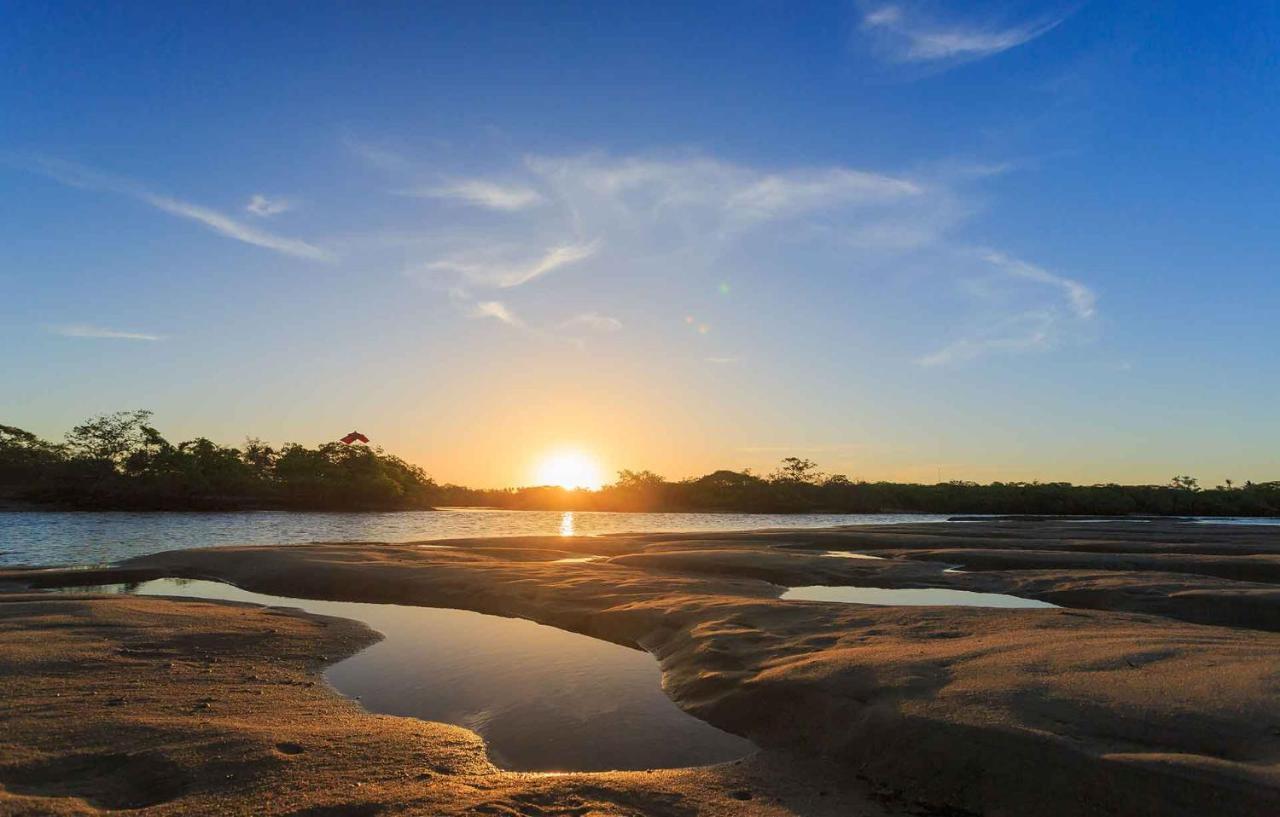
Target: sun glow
<point>570,469</point>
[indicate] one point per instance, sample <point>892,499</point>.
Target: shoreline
<point>882,690</point>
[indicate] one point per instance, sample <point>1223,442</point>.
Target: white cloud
<point>1023,332</point>
<point>703,192</point>
<point>683,210</point>
<point>656,219</point>
<point>780,195</point>
<point>1038,319</point>
<point>660,222</point>
<point>679,214</point>
<point>266,207</point>
<point>83,330</point>
<point>229,227</point>
<point>907,34</point>
<point>593,320</point>
<point>1082,300</point>
<point>74,175</point>
<point>496,310</point>
<point>379,157</point>
<point>481,193</point>
<point>489,269</point>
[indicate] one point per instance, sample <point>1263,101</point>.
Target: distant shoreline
<point>119,462</point>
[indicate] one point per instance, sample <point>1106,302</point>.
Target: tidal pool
<point>909,597</point>
<point>543,699</point>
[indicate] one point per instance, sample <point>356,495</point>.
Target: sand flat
<point>1139,695</point>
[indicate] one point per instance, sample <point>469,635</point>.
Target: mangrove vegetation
<point>121,461</point>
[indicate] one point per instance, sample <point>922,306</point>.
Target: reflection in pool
<point>543,699</point>
<point>849,554</point>
<point>913,597</point>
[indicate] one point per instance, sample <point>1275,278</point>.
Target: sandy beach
<point>1151,689</point>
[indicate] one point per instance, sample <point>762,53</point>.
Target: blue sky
<point>981,240</point>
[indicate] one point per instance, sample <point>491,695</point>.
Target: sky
<point>909,241</point>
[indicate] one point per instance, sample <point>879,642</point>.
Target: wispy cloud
<point>660,221</point>
<point>481,193</point>
<point>229,227</point>
<point>379,157</point>
<point>905,33</point>
<point>497,270</point>
<point>780,195</point>
<point>84,330</point>
<point>642,209</point>
<point>265,207</point>
<point>593,320</point>
<point>1020,333</point>
<point>1082,300</point>
<point>1036,320</point>
<point>74,175</point>
<point>496,310</point>
<point>702,191</point>
<point>653,217</point>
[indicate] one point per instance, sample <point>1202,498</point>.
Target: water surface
<point>912,597</point>
<point>543,699</point>
<point>94,537</point>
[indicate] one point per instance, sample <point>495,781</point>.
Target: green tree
<point>113,437</point>
<point>795,470</point>
<point>260,456</point>
<point>639,480</point>
<point>16,438</point>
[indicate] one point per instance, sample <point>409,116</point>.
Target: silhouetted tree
<point>113,437</point>
<point>796,470</point>
<point>120,461</point>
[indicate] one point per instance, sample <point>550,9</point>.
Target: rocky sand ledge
<point>1152,690</point>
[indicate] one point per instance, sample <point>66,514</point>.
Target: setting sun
<point>570,469</point>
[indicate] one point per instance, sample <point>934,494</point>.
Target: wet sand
<point>1152,689</point>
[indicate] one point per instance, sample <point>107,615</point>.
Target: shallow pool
<point>542,698</point>
<point>910,597</point>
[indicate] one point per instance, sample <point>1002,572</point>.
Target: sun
<point>570,469</point>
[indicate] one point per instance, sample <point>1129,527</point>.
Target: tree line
<point>120,461</point>
<point>797,486</point>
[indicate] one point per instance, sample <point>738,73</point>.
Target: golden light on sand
<point>570,469</point>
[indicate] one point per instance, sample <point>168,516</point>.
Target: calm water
<point>849,554</point>
<point>52,538</point>
<point>914,597</point>
<point>542,698</point>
